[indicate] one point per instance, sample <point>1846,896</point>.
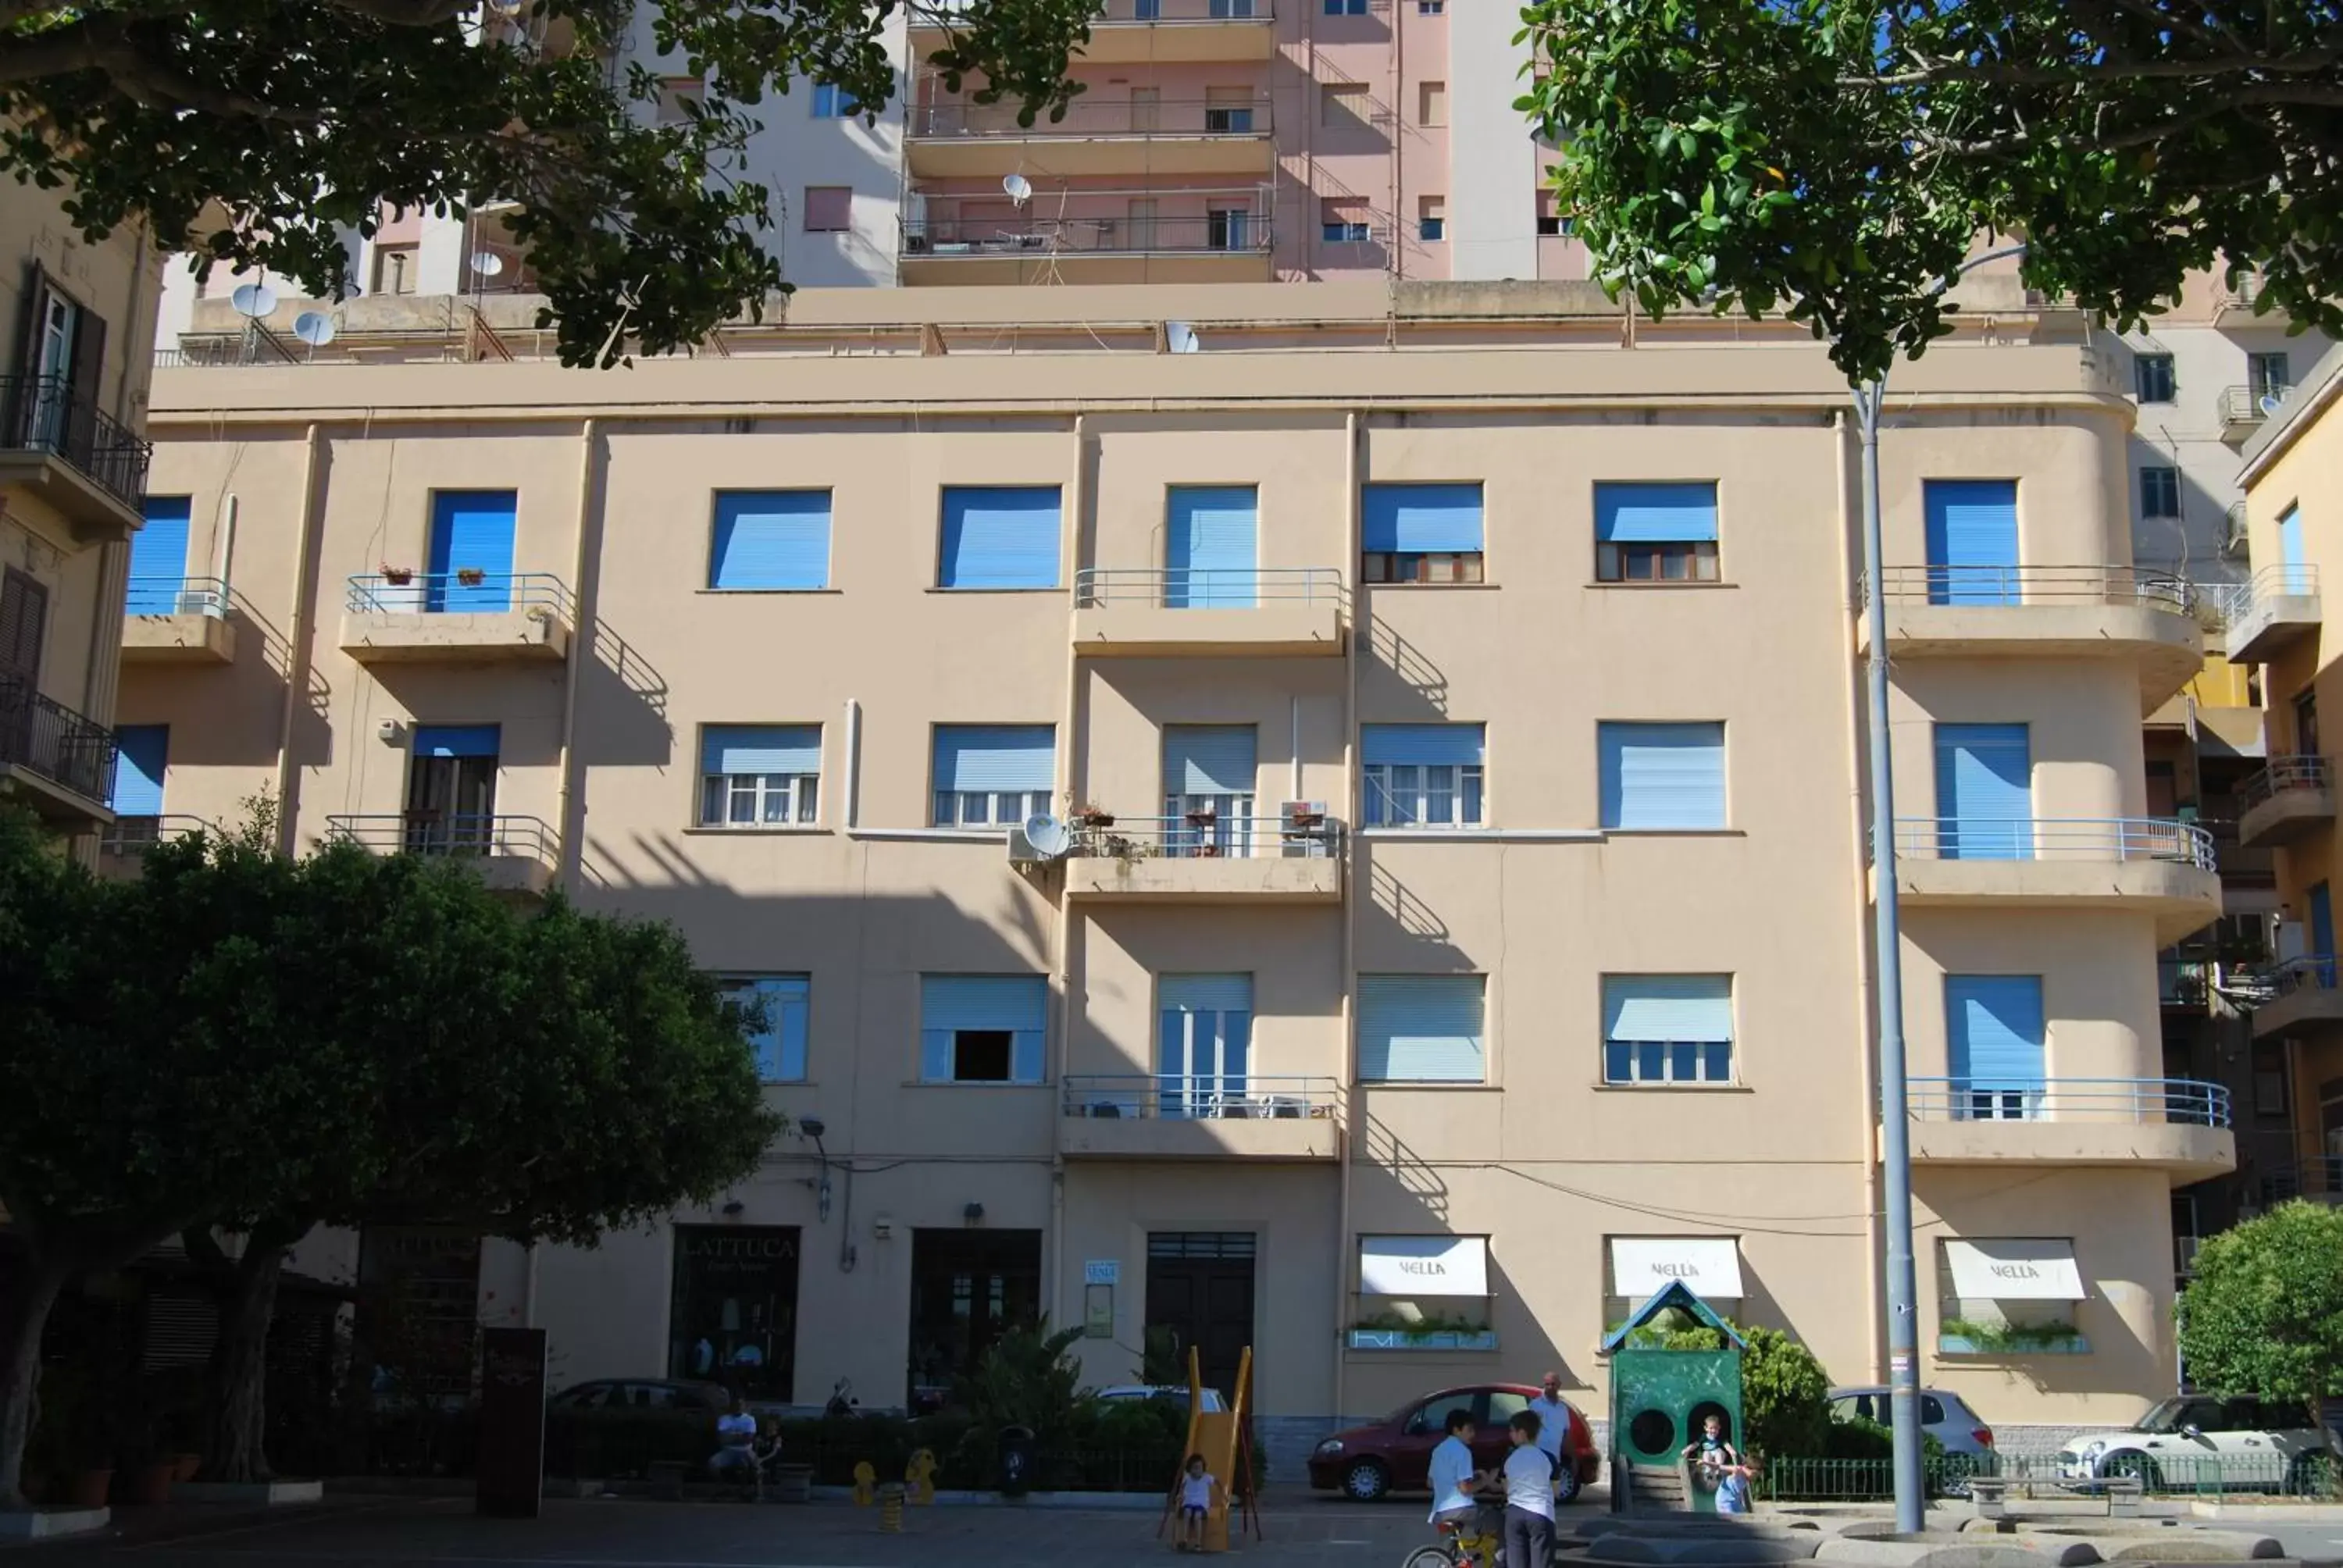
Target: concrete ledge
<point>269,1493</point>
<point>46,1523</point>
<point>1935,1549</point>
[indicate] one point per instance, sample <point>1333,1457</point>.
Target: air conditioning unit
<point>1022,851</point>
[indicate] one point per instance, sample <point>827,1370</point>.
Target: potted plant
<point>470,576</point>
<point>1203,816</point>
<point>1093,816</point>
<point>397,577</point>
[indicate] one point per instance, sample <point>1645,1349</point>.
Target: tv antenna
<point>313,327</point>
<point>1051,838</point>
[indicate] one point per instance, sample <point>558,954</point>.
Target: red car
<point>1395,1454</point>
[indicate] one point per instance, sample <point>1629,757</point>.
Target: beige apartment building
<point>1450,918</point>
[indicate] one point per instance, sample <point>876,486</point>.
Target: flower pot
<point>471,577</point>
<point>88,1488</point>
<point>184,1466</point>
<point>398,578</point>
<point>150,1485</point>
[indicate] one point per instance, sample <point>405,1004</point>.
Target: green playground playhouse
<point>1661,1398</point>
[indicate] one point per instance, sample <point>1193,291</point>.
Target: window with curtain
<point>1422,775</point>
<point>770,540</point>
<point>1667,1029</point>
<point>1413,533</point>
<point>1655,533</point>
<point>779,1041</point>
<point>759,775</point>
<point>993,774</point>
<point>982,1029</point>
<point>1662,777</point>
<point>1421,1029</point>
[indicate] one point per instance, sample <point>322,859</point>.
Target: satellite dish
<point>1181,337</point>
<point>2270,401</point>
<point>487,263</point>
<point>313,327</point>
<point>1019,188</point>
<point>254,300</point>
<point>1051,839</point>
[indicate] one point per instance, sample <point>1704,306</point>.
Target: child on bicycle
<point>1455,1484</point>
<point>1196,1489</point>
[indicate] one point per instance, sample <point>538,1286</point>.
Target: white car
<point>1943,1416</point>
<point>2197,1441</point>
<point>1129,1390</point>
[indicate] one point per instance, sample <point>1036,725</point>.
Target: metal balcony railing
<point>1203,836</point>
<point>2310,971</point>
<point>458,593</point>
<point>2232,603</point>
<point>458,833</point>
<point>52,741</point>
<point>1232,233</point>
<point>2285,775</point>
<point>1112,12</point>
<point>2250,406</point>
<point>2127,1100</point>
<point>1093,118</point>
<point>2309,1176</point>
<point>176,596</point>
<point>2183,982</point>
<point>2053,838</point>
<point>2018,585</point>
<point>136,835</point>
<point>1146,1096</point>
<point>1209,588</point>
<point>41,414</point>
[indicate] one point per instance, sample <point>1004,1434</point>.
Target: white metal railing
<point>2134,1101</point>
<point>170,595</point>
<point>456,833</point>
<point>2286,775</point>
<point>459,592</point>
<point>1207,836</point>
<point>2233,603</point>
<point>2053,838</point>
<point>1182,1097</point>
<point>136,835</point>
<point>2023,585</point>
<point>1209,588</point>
<point>2247,406</point>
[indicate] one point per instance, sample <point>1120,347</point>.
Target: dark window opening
<point>1402,567</point>
<point>981,1055</point>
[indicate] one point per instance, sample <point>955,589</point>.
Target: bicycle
<point>1458,1547</point>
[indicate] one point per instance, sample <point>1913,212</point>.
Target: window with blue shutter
<point>1667,1029</point>
<point>982,1029</point>
<point>999,537</point>
<point>988,774</point>
<point>1972,541</point>
<point>143,751</point>
<point>457,740</point>
<point>759,775</point>
<point>2293,577</point>
<point>1984,792</point>
<point>1422,775</point>
<point>1208,788</point>
<point>1204,1038</point>
<point>770,539</point>
<point>471,531</point>
<point>1421,1029</point>
<point>158,557</point>
<point>1210,557</point>
<point>1420,533</point>
<point>1655,532</point>
<point>1994,1037</point>
<point>1662,777</point>
<point>779,1043</point>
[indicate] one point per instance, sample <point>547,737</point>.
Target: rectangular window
<point>1421,534</point>
<point>145,751</point>
<point>2269,374</point>
<point>1209,775</point>
<point>1972,540</point>
<point>158,558</point>
<point>982,1028</point>
<point>999,537</point>
<point>1432,219</point>
<point>1984,792</point>
<point>1999,1296</point>
<point>1342,104</point>
<point>828,209</point>
<point>1656,533</point>
<point>1227,111</point>
<point>770,539</point>
<point>1662,777</point>
<point>988,775</point>
<point>2269,1085</point>
<point>1430,7</point>
<point>1421,1029</point>
<point>780,1041</point>
<point>1422,775</point>
<point>1551,222</point>
<point>470,565</point>
<point>759,775</point>
<point>2159,492</point>
<point>1211,547</point>
<point>1995,1046</point>
<point>395,267</point>
<point>2152,378</point>
<point>1667,1029</point>
<point>1432,103</point>
<point>1343,220</point>
<point>833,102</point>
<point>1346,7</point>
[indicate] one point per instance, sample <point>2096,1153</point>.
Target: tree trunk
<point>237,1388</point>
<point>24,1312</point>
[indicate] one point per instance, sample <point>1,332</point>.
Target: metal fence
<point>1086,116</point>
<point>2250,405</point>
<point>1236,1097</point>
<point>136,835</point>
<point>1208,587</point>
<point>177,595</point>
<point>50,740</point>
<point>1234,232</point>
<point>2130,1101</point>
<point>2053,838</point>
<point>459,833</point>
<point>42,414</point>
<point>459,592</point>
<point>2025,584</point>
<point>2165,1473</point>
<point>1206,835</point>
<point>2284,774</point>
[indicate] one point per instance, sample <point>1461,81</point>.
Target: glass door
<point>1203,1042</point>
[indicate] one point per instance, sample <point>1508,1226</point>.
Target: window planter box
<point>1964,1346</point>
<point>1433,1339</point>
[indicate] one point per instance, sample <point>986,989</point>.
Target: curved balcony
<point>2286,800</point>
<point>1145,1116</point>
<point>1251,612</point>
<point>2179,1125</point>
<point>1097,135</point>
<point>2264,615</point>
<point>2143,865</point>
<point>457,617</point>
<point>2045,612</point>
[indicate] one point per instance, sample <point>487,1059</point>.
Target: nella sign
<point>1408,1266</point>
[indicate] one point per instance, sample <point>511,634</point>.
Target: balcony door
<point>1984,792</point>
<point>451,790</point>
<point>471,551</point>
<point>1995,1043</point>
<point>1204,1040</point>
<point>1208,789</point>
<point>1146,110</point>
<point>1972,528</point>
<point>1210,546</point>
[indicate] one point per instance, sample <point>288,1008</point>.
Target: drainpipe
<point>298,633</point>
<point>1062,959</point>
<point>853,763</point>
<point>1347,1087</point>
<point>1875,1271</point>
<point>224,552</point>
<point>581,647</point>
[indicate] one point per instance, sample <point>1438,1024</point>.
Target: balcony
<point>1256,612</point>
<point>2046,612</point>
<point>2316,1178</point>
<point>177,620</point>
<point>2134,864</point>
<point>2304,998</point>
<point>122,845</point>
<point>515,855</point>
<point>2242,409</point>
<point>457,618</point>
<point>2179,1125</point>
<point>1097,136</point>
<point>2268,614</point>
<point>1207,859</point>
<point>65,450</point>
<point>2234,305</point>
<point>2286,799</point>
<point>1141,1115</point>
<point>1139,32</point>
<point>2184,985</point>
<point>61,764</point>
<point>1230,245</point>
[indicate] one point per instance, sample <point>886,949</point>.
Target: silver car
<point>1943,1416</point>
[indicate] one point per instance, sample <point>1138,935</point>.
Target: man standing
<point>1554,1428</point>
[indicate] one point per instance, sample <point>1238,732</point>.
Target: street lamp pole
<point>1895,1104</point>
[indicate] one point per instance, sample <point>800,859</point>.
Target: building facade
<point>1450,917</point>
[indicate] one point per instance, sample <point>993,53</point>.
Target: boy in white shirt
<point>1529,1496</point>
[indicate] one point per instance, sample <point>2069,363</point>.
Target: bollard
<point>866,1479</point>
<point>919,1477</point>
<point>890,1508</point>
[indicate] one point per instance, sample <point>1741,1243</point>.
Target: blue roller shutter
<point>1984,792</point>
<point>1425,745</point>
<point>1209,760</point>
<point>2289,548</point>
<point>145,751</point>
<point>770,539</point>
<point>1421,1029</point>
<point>1994,1034</point>
<point>1972,541</point>
<point>1662,775</point>
<point>1421,519</point>
<point>1211,551</point>
<point>455,740</point>
<point>997,536</point>
<point>158,557</point>
<point>1017,1004</point>
<point>988,757</point>
<point>731,748</point>
<point>1662,513</point>
<point>471,529</point>
<point>1667,1007</point>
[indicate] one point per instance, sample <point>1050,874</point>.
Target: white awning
<point>1709,1266</point>
<point>2016,1268</point>
<point>1423,1265</point>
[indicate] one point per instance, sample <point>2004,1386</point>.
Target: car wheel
<point>1566,1480</point>
<point>1366,1479</point>
<point>2136,1465</point>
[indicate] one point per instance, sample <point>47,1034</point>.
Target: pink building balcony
<point>1089,236</point>
<point>1179,128</point>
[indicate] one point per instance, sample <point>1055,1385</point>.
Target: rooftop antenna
<point>627,299</point>
<point>315,328</point>
<point>252,301</point>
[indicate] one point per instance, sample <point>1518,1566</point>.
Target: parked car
<point>1943,1416</point>
<point>1176,1393</point>
<point>620,1426</point>
<point>1395,1454</point>
<point>2196,1439</point>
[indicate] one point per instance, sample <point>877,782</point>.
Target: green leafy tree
<point>256,132</point>
<point>2264,1315</point>
<point>1835,159</point>
<point>1784,1394</point>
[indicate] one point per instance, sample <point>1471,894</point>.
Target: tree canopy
<point>1837,159</point>
<point>2264,1315</point>
<point>254,132</point>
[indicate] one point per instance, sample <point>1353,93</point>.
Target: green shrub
<point>1785,1395</point>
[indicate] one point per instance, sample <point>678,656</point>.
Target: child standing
<point>1197,1489</point>
<point>1528,1495</point>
